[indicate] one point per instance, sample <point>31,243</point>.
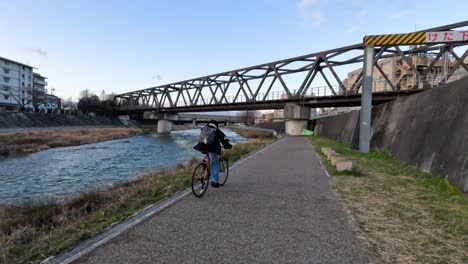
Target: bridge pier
<point>296,118</point>
<point>165,122</point>
<point>164,126</point>
<point>194,123</point>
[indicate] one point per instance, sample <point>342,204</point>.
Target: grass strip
<point>31,233</point>
<point>402,214</point>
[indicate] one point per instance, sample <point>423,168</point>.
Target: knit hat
<point>213,122</point>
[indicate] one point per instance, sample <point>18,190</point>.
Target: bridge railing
<point>264,97</point>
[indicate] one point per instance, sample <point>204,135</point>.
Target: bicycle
<point>202,172</point>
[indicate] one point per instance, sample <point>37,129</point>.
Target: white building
<point>16,85</point>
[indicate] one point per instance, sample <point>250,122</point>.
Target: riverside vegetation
<point>403,215</point>
<point>30,233</point>
<point>252,133</point>
<point>34,141</point>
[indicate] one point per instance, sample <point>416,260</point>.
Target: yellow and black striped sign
<point>395,39</point>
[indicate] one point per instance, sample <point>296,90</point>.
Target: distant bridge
<point>196,118</point>
<point>273,85</point>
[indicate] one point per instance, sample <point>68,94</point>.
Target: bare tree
<point>21,98</point>
<point>251,116</point>
<point>86,93</point>
<point>102,96</point>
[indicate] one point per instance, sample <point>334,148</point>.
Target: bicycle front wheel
<point>223,171</point>
<point>200,180</point>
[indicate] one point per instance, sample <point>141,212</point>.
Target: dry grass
<point>28,142</point>
<point>403,215</point>
<point>31,233</point>
<point>252,133</point>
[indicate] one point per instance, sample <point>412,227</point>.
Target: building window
<point>6,88</point>
<point>22,75</point>
<point>6,97</point>
<point>23,67</point>
<point>23,83</point>
<point>6,79</point>
<point>6,71</point>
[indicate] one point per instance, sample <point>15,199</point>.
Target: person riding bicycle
<point>209,142</point>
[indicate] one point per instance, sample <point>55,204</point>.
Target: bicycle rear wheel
<point>200,180</point>
<point>223,171</point>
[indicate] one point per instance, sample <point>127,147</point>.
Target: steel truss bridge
<point>272,85</point>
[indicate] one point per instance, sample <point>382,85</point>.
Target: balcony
<point>40,90</point>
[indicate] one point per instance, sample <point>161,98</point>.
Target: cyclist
<point>209,142</point>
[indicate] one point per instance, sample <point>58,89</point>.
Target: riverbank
<point>402,214</point>
<point>31,233</point>
<point>34,141</point>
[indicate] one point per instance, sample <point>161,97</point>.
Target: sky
<point>121,46</point>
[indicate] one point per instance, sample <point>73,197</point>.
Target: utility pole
<point>366,100</point>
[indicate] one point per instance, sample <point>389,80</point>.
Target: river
<point>59,172</point>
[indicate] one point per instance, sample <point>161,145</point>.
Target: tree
<point>251,116</point>
<point>91,103</point>
<point>110,96</point>
<point>86,93</point>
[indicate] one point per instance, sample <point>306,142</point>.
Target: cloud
<point>306,3</point>
<point>35,51</point>
<point>310,13</point>
<point>157,77</point>
<point>317,17</point>
<point>351,29</point>
<point>398,14</point>
<point>360,18</point>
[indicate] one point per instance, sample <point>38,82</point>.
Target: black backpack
<point>207,135</point>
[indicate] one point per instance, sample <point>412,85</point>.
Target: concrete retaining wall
<point>340,127</point>
<point>27,120</point>
<point>427,130</point>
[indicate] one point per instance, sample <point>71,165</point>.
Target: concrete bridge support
<point>165,122</point>
<point>296,118</point>
<point>164,126</point>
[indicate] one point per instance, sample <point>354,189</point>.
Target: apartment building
<point>16,85</point>
<point>39,90</point>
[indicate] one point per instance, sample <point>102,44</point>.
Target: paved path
<point>277,207</point>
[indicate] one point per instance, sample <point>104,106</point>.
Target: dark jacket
<point>220,138</point>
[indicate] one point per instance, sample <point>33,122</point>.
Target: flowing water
<point>59,172</point>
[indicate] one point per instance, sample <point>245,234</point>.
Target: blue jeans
<point>214,160</point>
